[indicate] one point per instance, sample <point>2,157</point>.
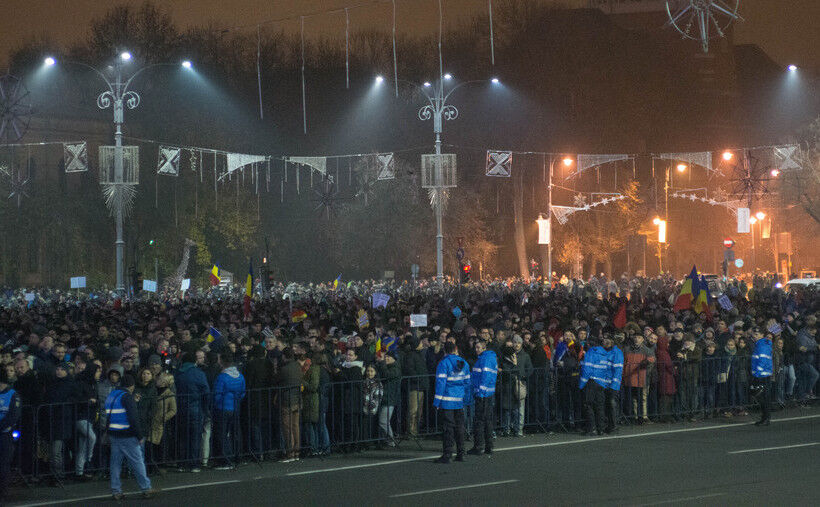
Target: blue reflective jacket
<point>229,389</point>
<point>595,367</point>
<point>115,410</point>
<point>762,358</point>
<point>452,383</point>
<point>615,368</point>
<point>485,373</point>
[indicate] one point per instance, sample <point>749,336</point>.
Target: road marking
<point>454,488</point>
<point>109,496</point>
<point>774,448</point>
<point>550,444</point>
<point>677,500</point>
<point>200,485</point>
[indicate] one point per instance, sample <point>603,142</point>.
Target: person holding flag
<point>336,281</point>
<point>701,303</point>
<point>688,291</point>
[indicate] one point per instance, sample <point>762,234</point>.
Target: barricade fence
<point>63,439</point>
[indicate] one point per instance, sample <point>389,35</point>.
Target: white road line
<point>774,448</point>
<point>551,444</point>
<point>678,500</point>
<point>454,488</point>
<point>199,485</point>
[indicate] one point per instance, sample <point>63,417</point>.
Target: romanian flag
<point>702,300</point>
<point>248,292</point>
<point>298,316</point>
<point>215,275</point>
<point>336,281</point>
<point>688,291</point>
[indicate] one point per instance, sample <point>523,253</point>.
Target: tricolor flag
<point>687,291</point>
<point>248,292</point>
<point>298,316</point>
<point>336,281</point>
<point>703,298</point>
<point>215,275</point>
<point>213,335</point>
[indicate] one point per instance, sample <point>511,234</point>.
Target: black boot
<point>444,459</point>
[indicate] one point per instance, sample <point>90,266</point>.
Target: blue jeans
<point>128,449</point>
<point>226,427</point>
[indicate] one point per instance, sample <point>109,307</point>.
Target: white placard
<point>186,284</point>
<point>418,320</point>
<point>77,282</point>
<point>743,225</point>
<point>30,297</point>
<point>149,285</point>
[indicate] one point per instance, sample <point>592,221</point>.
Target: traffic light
<point>465,272</point>
<point>136,280</point>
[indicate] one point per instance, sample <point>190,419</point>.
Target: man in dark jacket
<point>350,375</point>
<point>125,434</point>
<point>290,399</point>
<point>9,417</point>
<point>413,366</point>
<point>390,373</point>
<point>193,396</point>
<point>58,417</point>
<point>260,379</point>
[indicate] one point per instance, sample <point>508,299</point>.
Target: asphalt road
<point>719,463</point>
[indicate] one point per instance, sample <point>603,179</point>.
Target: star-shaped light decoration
<point>328,197</point>
<point>693,197</point>
<point>580,200</point>
<point>17,185</point>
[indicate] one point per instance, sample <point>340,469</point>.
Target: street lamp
<point>118,96</point>
<point>681,168</point>
<point>661,224</point>
<point>567,161</point>
<point>727,155</point>
<point>438,110</point>
<point>792,68</point>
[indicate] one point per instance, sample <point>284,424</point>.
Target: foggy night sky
<point>786,29</point>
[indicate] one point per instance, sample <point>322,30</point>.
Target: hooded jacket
<point>192,389</point>
<point>595,367</point>
<point>452,383</point>
<point>485,374</point>
<point>229,389</point>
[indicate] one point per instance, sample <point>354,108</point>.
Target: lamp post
<point>757,218</point>
<point>567,161</point>
<point>438,110</point>
<point>118,96</point>
<point>658,221</point>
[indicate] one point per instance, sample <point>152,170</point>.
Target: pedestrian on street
<point>9,417</point>
<point>762,369</point>
<point>125,435</point>
<point>452,391</point>
<point>483,379</point>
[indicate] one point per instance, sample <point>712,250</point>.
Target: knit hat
<point>127,381</point>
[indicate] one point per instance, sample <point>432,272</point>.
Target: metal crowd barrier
<point>275,422</point>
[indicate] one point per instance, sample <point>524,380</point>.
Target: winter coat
<point>165,408</point>
<point>414,366</point>
<point>372,391</point>
<point>193,392</point>
<point>710,369</point>
<point>289,383</point>
<point>350,387</point>
<point>229,389</point>
<point>637,359</point>
<point>762,364</point>
<point>665,367</point>
<point>615,368</point>
<point>391,379</point>
<point>58,413</point>
<point>595,367</point>
<point>260,379</point>
<point>30,388</point>
<point>485,375</point>
<point>86,391</point>
<point>146,405</point>
<point>310,393</point>
<point>690,365</point>
<point>452,383</point>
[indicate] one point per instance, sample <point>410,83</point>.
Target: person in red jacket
<point>637,358</point>
<point>666,378</point>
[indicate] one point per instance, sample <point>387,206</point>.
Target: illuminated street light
<point>495,80</point>
<point>448,76</point>
<point>125,55</point>
<point>379,80</point>
<point>727,155</point>
<point>775,173</point>
<point>681,168</point>
<point>792,68</point>
<point>568,161</point>
<point>49,61</point>
<point>760,215</point>
<point>427,84</point>
<point>186,64</point>
<point>752,220</point>
<point>656,220</point>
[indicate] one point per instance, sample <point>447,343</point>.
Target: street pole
<point>549,222</point>
<point>439,234</point>
<point>119,118</point>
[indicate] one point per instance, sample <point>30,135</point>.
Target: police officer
<point>614,372</point>
<point>483,378</point>
<point>762,368</point>
<point>593,381</point>
<point>452,391</point>
<point>126,437</point>
<point>9,416</point>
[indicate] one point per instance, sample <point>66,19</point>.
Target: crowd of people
<point>313,369</point>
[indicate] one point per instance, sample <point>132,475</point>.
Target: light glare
<point>567,161</point>
<point>775,173</point>
<point>760,215</point>
<point>727,155</point>
<point>494,80</point>
<point>427,84</point>
<point>49,61</point>
<point>186,64</point>
<point>448,76</point>
<point>681,168</point>
<point>792,68</point>
<point>379,80</point>
<point>125,56</point>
